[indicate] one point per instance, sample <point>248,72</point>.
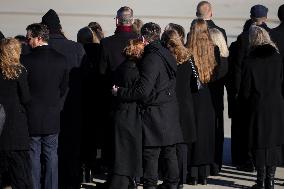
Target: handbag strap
<point>193,68</point>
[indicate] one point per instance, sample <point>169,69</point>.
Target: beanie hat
<point>281,13</point>
<point>52,21</point>
<point>258,11</point>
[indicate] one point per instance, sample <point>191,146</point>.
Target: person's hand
<point>114,90</point>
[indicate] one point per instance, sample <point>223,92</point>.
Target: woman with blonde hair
<point>14,96</point>
<point>127,122</point>
<point>205,57</point>
<point>217,91</point>
<point>261,99</point>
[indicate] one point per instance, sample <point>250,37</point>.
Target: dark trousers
<point>150,160</point>
<point>182,161</point>
<point>219,142</point>
<point>200,172</point>
<point>47,146</point>
<point>119,182</point>
<point>15,169</point>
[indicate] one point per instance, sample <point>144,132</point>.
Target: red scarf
<point>123,29</point>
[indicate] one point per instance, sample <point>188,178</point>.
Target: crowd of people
<point>152,101</point>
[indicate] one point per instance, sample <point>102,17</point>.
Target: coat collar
<point>262,51</point>
<point>157,48</point>
<point>56,36</point>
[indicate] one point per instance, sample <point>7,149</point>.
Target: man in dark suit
<point>48,81</point>
<point>71,115</point>
<point>111,58</point>
<point>204,11</point>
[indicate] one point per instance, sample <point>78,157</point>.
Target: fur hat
<point>52,21</point>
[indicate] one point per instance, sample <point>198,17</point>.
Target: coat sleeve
<point>64,83</point>
<point>23,88</point>
<point>222,65</point>
<point>103,63</point>
<point>245,85</point>
<point>149,72</point>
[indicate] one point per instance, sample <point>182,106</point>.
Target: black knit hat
<point>281,13</point>
<point>1,35</point>
<point>258,11</point>
<point>52,21</point>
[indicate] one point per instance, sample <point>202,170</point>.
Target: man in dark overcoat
<point>48,81</point>
<point>161,129</point>
<point>278,32</point>
<point>71,115</point>
<point>204,11</point>
<point>111,58</point>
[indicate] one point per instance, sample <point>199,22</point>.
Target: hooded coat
<point>156,89</point>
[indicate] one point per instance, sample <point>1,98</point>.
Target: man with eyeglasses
<point>48,81</point>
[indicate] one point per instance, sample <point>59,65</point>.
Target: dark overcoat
<point>111,58</point>
<point>127,125</point>
<point>261,95</point>
<point>277,35</point>
<point>203,149</point>
<point>184,96</point>
<point>156,87</point>
<point>48,81</point>
<point>71,115</point>
<point>14,96</point>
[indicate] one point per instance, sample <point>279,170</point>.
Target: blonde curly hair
<point>201,47</point>
<point>173,41</point>
<point>134,49</point>
<point>10,51</point>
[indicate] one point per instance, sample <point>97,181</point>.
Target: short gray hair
<point>124,15</point>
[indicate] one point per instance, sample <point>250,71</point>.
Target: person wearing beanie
<point>258,14</point>
<point>111,58</point>
<point>71,118</point>
<point>278,32</point>
<point>48,81</point>
<point>242,156</point>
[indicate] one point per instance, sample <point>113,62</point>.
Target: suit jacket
<point>48,81</point>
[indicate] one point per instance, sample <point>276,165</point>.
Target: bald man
<point>204,11</point>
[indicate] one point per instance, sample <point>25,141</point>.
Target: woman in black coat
<point>127,122</point>
<point>14,95</point>
<point>174,42</point>
<point>217,92</point>
<point>206,59</point>
<point>261,94</point>
<point>92,103</point>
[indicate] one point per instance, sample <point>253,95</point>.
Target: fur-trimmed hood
<point>263,51</point>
